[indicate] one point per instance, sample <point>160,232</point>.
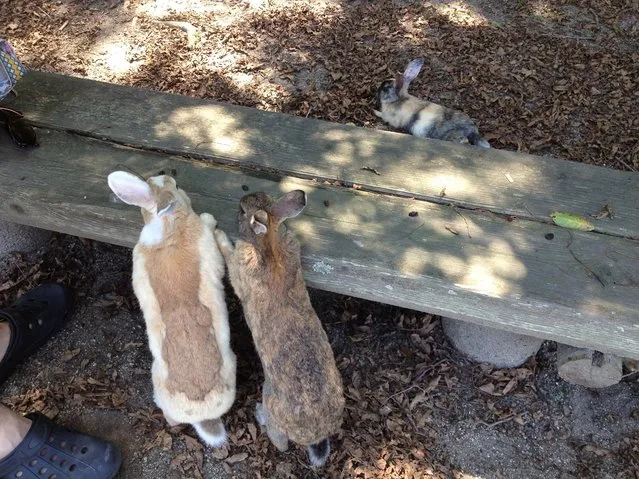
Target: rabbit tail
<point>477,140</point>
<point>212,432</point>
<point>318,453</point>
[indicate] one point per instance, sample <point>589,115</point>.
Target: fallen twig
<point>372,170</point>
<point>622,161</point>
<point>451,229</point>
<point>429,368</point>
<point>414,386</point>
<point>501,421</point>
<point>11,284</point>
<point>463,217</point>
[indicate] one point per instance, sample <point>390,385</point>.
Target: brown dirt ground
<point>550,78</point>
<point>415,407</point>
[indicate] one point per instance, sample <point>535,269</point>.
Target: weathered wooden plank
<point>500,181</point>
<point>505,275</point>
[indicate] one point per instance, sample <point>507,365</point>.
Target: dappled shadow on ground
<point>555,79</point>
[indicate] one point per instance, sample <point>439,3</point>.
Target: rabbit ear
<point>412,70</point>
<point>168,208</point>
<point>259,219</point>
<point>289,206</point>
<point>131,189</point>
<point>166,203</point>
<point>399,82</point>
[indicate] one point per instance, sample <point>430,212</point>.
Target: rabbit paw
<point>278,438</point>
<point>223,242</point>
<point>209,220</point>
<point>212,432</point>
<point>170,421</point>
<point>260,414</point>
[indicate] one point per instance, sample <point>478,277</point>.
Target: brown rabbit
<point>177,278</point>
<point>303,399</point>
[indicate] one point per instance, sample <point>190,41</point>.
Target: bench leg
<point>16,237</point>
<point>502,349</point>
<point>631,365</point>
<point>588,368</point>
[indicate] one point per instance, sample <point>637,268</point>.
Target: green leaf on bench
<point>570,221</point>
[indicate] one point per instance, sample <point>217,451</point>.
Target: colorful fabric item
<point>11,70</point>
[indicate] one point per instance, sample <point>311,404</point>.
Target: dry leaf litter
<point>554,78</point>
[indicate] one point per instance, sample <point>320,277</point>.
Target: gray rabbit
<point>422,118</point>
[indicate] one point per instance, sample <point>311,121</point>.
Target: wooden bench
<point>446,229</point>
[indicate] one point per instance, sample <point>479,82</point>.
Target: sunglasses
<point>22,134</point>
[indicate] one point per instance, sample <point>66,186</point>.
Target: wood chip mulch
<point>559,79</point>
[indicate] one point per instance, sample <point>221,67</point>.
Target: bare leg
<point>21,442</point>
<point>14,429</point>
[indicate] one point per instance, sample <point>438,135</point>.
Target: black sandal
<point>32,319</point>
<point>50,451</point>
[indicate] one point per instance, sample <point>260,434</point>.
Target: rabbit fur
<point>303,399</point>
<point>177,278</point>
<point>401,110</point>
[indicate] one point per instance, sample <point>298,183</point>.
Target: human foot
<point>52,451</point>
<point>14,429</point>
<point>29,322</point>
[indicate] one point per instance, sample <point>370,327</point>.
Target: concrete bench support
<point>588,368</point>
<point>488,345</point>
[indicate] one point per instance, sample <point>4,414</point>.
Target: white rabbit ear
<point>131,189</point>
<point>258,222</point>
<point>413,69</point>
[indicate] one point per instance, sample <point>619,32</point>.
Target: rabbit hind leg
<point>170,421</point>
<point>260,414</point>
<point>212,432</point>
<point>260,407</point>
<point>456,136</point>
<point>277,437</point>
